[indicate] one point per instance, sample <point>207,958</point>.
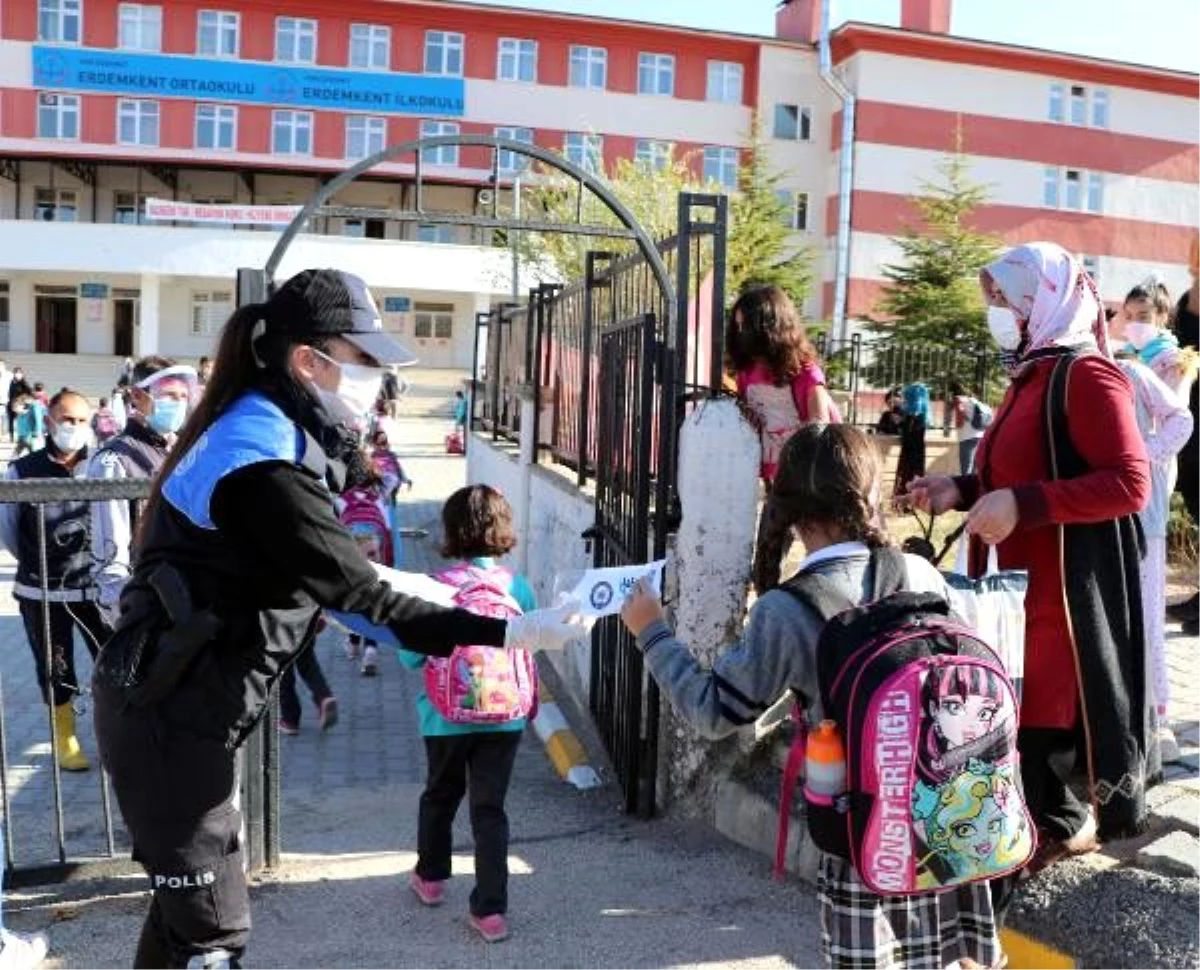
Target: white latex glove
<point>547,629</point>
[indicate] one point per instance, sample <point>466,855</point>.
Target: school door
<point>125,315</point>
<point>433,334</point>
<point>55,324</point>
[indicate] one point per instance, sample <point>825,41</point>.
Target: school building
<point>149,150</point>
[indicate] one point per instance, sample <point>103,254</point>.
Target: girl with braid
<point>826,493</point>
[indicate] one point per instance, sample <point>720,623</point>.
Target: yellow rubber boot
<point>70,755</point>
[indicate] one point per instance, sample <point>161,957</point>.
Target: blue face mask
<point>168,415</point>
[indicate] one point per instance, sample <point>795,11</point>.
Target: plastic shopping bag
<point>994,605</point>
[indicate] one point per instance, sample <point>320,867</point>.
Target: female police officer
<point>238,551</point>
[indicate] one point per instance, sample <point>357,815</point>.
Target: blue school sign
<point>248,82</point>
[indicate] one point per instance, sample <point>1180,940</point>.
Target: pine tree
<point>759,249</point>
<point>933,296</point>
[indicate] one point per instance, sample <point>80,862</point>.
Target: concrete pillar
<point>719,456</point>
<point>22,314</point>
<point>146,339</point>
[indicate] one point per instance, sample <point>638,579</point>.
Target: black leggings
<point>64,617</point>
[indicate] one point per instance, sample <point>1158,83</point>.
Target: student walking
<point>469,755</point>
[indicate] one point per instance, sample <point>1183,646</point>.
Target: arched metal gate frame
<point>628,352</point>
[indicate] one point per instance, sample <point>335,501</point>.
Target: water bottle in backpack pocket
<point>479,684</point>
<point>928,715</point>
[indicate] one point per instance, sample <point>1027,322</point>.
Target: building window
<point>1058,96</point>
<point>365,136</point>
<point>55,205</point>
<point>652,154</point>
<point>433,320</point>
<point>721,166</point>
<point>795,210</point>
<point>1099,109</point>
<point>446,154</point>
<point>370,46</point>
<point>1073,189</point>
<point>517,60</point>
<point>584,150</point>
<point>137,122</point>
<point>443,53</point>
<point>511,162</point>
<point>724,82</point>
<point>216,127</point>
<point>589,68</point>
<point>1078,104</point>
<point>291,132</point>
<point>217,33</point>
<point>429,232</point>
<point>656,74</point>
<point>59,21</point>
<point>4,310</point>
<point>58,116</point>
<point>128,207</point>
<point>1091,266</point>
<point>364,228</point>
<point>139,27</point>
<point>295,40</point>
<point>793,122</point>
<point>210,310</point>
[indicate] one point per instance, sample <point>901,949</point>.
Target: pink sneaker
<point>492,928</point>
<point>431,892</point>
<point>287,727</point>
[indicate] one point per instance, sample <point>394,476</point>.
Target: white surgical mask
<point>357,390</point>
<point>1002,323</point>
<point>1139,333</point>
<point>69,438</point>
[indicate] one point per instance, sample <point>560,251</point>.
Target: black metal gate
<point>623,700</point>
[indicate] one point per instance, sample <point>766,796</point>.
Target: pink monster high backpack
<point>929,721</point>
<point>478,684</point>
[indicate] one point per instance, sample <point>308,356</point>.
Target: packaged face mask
<point>601,592</point>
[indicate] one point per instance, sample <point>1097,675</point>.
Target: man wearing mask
<point>68,558</point>
<point>160,393</point>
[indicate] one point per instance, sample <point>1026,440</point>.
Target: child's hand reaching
<point>641,607</point>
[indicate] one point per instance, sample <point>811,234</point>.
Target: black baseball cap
<point>332,303</point>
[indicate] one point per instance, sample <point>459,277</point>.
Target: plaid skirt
<point>929,932</point>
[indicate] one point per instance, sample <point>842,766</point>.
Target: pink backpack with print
<point>478,684</point>
<point>362,516</point>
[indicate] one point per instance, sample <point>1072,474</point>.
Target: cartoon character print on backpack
<point>479,684</point>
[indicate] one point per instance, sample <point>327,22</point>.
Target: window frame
<point>139,207</point>
<point>802,121</point>
<point>662,63</point>
<point>512,132</point>
<point>585,54</point>
<point>372,42</point>
<point>76,112</point>
<point>139,8</point>
<point>299,34</point>
<point>1099,106</point>
<point>653,153</point>
<point>725,67</point>
<point>443,235</point>
<point>372,125</point>
<point>296,115</point>
<point>206,297</point>
<point>1077,100</point>
<point>219,30</point>
<point>726,152</point>
<point>438,156</point>
<point>59,195</point>
<point>522,48</point>
<point>590,149</point>
<point>223,115</point>
<point>1093,193</point>
<point>63,10</point>
<point>446,46</point>
<point>138,115</point>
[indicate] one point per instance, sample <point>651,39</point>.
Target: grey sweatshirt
<point>777,650</point>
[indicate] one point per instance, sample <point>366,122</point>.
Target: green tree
<point>932,296</point>
<point>759,248</point>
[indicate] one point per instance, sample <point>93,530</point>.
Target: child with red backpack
<point>472,712</point>
<point>364,510</point>
<point>910,786</point>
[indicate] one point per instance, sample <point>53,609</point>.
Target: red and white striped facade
<point>1126,176</point>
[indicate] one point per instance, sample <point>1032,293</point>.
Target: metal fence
<point>860,371</point>
<point>53,830</point>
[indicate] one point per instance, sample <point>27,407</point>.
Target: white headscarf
<point>1048,288</point>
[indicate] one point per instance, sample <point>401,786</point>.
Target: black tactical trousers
<point>176,793</point>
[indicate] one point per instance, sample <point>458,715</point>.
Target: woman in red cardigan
<point>1060,476</point>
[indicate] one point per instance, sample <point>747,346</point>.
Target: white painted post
<point>527,458</point>
<point>146,340</point>
<point>719,455</point>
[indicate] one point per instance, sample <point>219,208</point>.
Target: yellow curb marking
<point>1026,953</point>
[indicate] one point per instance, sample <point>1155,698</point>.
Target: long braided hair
<point>829,476</point>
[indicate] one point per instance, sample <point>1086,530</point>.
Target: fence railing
<point>53,830</point>
<point>860,371</point>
